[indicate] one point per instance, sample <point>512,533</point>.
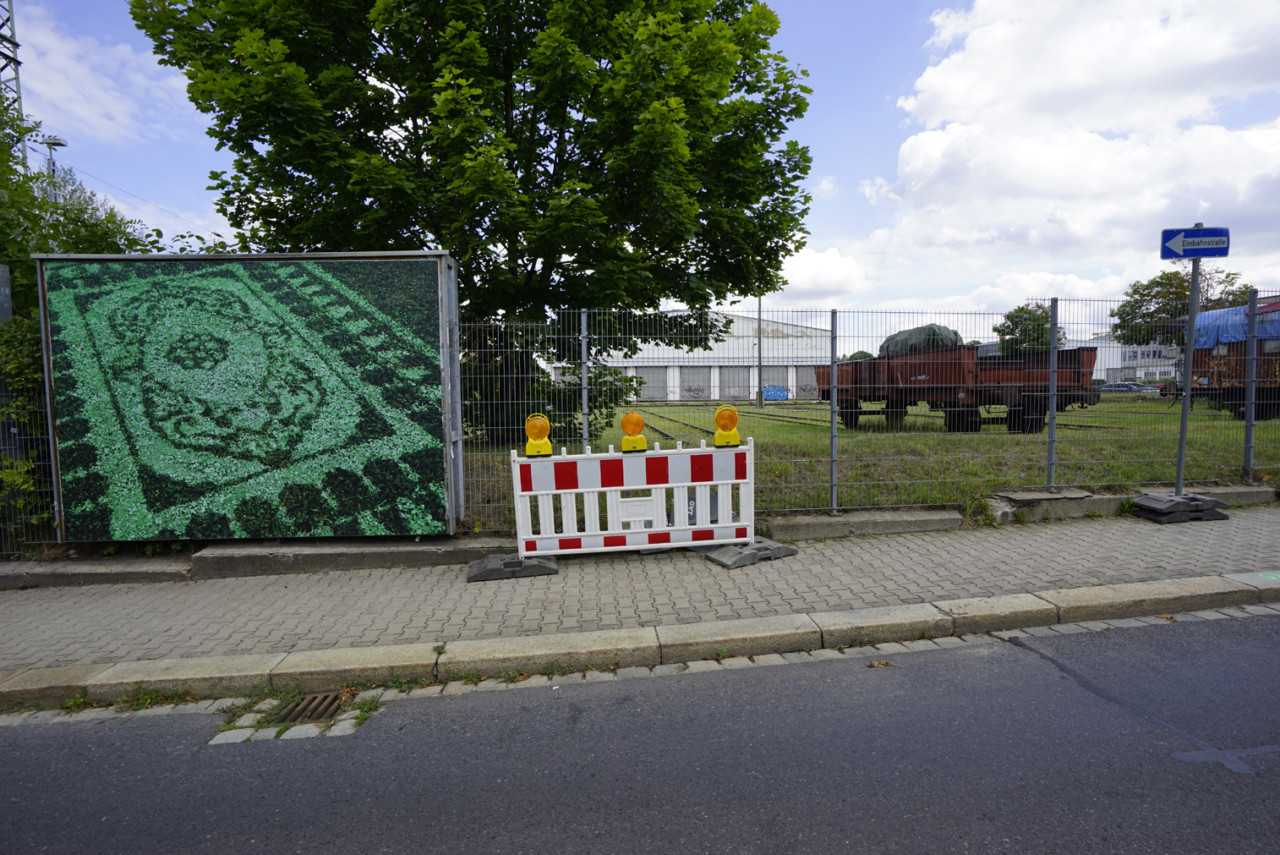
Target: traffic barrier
<point>689,496</point>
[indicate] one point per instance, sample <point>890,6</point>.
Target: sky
<point>966,157</point>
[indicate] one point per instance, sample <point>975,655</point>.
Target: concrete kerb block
<point>746,637</point>
<point>322,670</point>
<point>206,676</point>
<point>855,523</point>
<point>600,650</point>
<point>987,614</point>
<point>269,558</point>
<point>1135,599</point>
<point>48,686</point>
<point>882,624</point>
<point>1267,584</point>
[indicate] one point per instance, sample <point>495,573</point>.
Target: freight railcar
<point>957,382</point>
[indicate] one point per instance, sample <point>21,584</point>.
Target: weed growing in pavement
<point>282,698</point>
<point>364,708</point>
<point>78,701</point>
<point>513,676</point>
<point>555,669</point>
<point>1126,508</point>
<point>141,699</point>
<point>721,654</point>
<point>1094,515</point>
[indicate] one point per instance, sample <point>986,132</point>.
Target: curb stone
<point>671,648</point>
<point>345,723</point>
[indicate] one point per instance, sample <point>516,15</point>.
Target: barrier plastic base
<point>493,567</point>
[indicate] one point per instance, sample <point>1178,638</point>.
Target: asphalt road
<point>1161,740</point>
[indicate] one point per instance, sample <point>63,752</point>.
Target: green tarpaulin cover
<point>920,340</point>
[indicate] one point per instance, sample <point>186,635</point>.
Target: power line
<point>173,214</point>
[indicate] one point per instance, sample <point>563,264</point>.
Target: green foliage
<point>569,153</point>
<point>858,354</point>
<point>1153,310</point>
<point>1025,329</point>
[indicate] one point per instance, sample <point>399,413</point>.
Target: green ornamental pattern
<point>247,398</point>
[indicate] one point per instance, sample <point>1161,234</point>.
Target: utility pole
<point>10,90</point>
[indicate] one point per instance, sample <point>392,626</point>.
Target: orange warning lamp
<point>632,424</point>
<point>536,427</point>
<point>727,427</point>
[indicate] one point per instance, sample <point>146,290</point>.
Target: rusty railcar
<point>1219,362</point>
<point>957,382</point>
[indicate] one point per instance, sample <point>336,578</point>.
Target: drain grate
<point>318,706</point>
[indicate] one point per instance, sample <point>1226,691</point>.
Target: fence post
<point>1250,381</point>
<point>1051,451</point>
<point>832,386</point>
<point>759,354</point>
<point>586,407</point>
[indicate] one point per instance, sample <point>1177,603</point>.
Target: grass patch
<point>1120,446</point>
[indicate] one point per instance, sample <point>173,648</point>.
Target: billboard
<point>226,397</point>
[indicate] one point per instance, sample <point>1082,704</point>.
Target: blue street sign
<point>1194,243</point>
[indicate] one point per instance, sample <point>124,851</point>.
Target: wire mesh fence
<point>848,409</point>
<point>926,408</point>
<point>26,508</point>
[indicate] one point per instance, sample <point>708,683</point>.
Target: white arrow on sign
<point>1181,243</point>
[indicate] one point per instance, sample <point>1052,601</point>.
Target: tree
<point>857,354</point>
<point>1153,311</point>
<point>1025,329</point>
<point>568,153</point>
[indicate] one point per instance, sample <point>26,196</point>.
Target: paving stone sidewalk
<point>47,627</point>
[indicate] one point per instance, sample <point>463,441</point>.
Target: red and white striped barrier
<point>558,500</point>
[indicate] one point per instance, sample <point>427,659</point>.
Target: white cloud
<point>1060,136</point>
<point>97,91</point>
<point>827,188</point>
<point>822,279</point>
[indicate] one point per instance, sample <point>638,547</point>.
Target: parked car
<point>1122,387</point>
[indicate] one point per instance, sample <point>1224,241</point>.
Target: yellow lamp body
<point>537,428</point>
<point>727,427</point>
<point>632,424</point>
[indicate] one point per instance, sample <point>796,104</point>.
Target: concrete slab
<point>1022,506</point>
<point>750,636</point>
<point>532,654</point>
<point>48,686</point>
<point>820,526</point>
<point>268,558</point>
<point>5,675</point>
<point>1267,583</point>
<point>1132,599</point>
<point>1240,496</point>
<point>321,670</point>
<point>205,676</point>
<point>858,627</point>
<point>986,614</point>
<point>115,571</point>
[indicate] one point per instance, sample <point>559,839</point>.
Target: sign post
<point>1193,243</point>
